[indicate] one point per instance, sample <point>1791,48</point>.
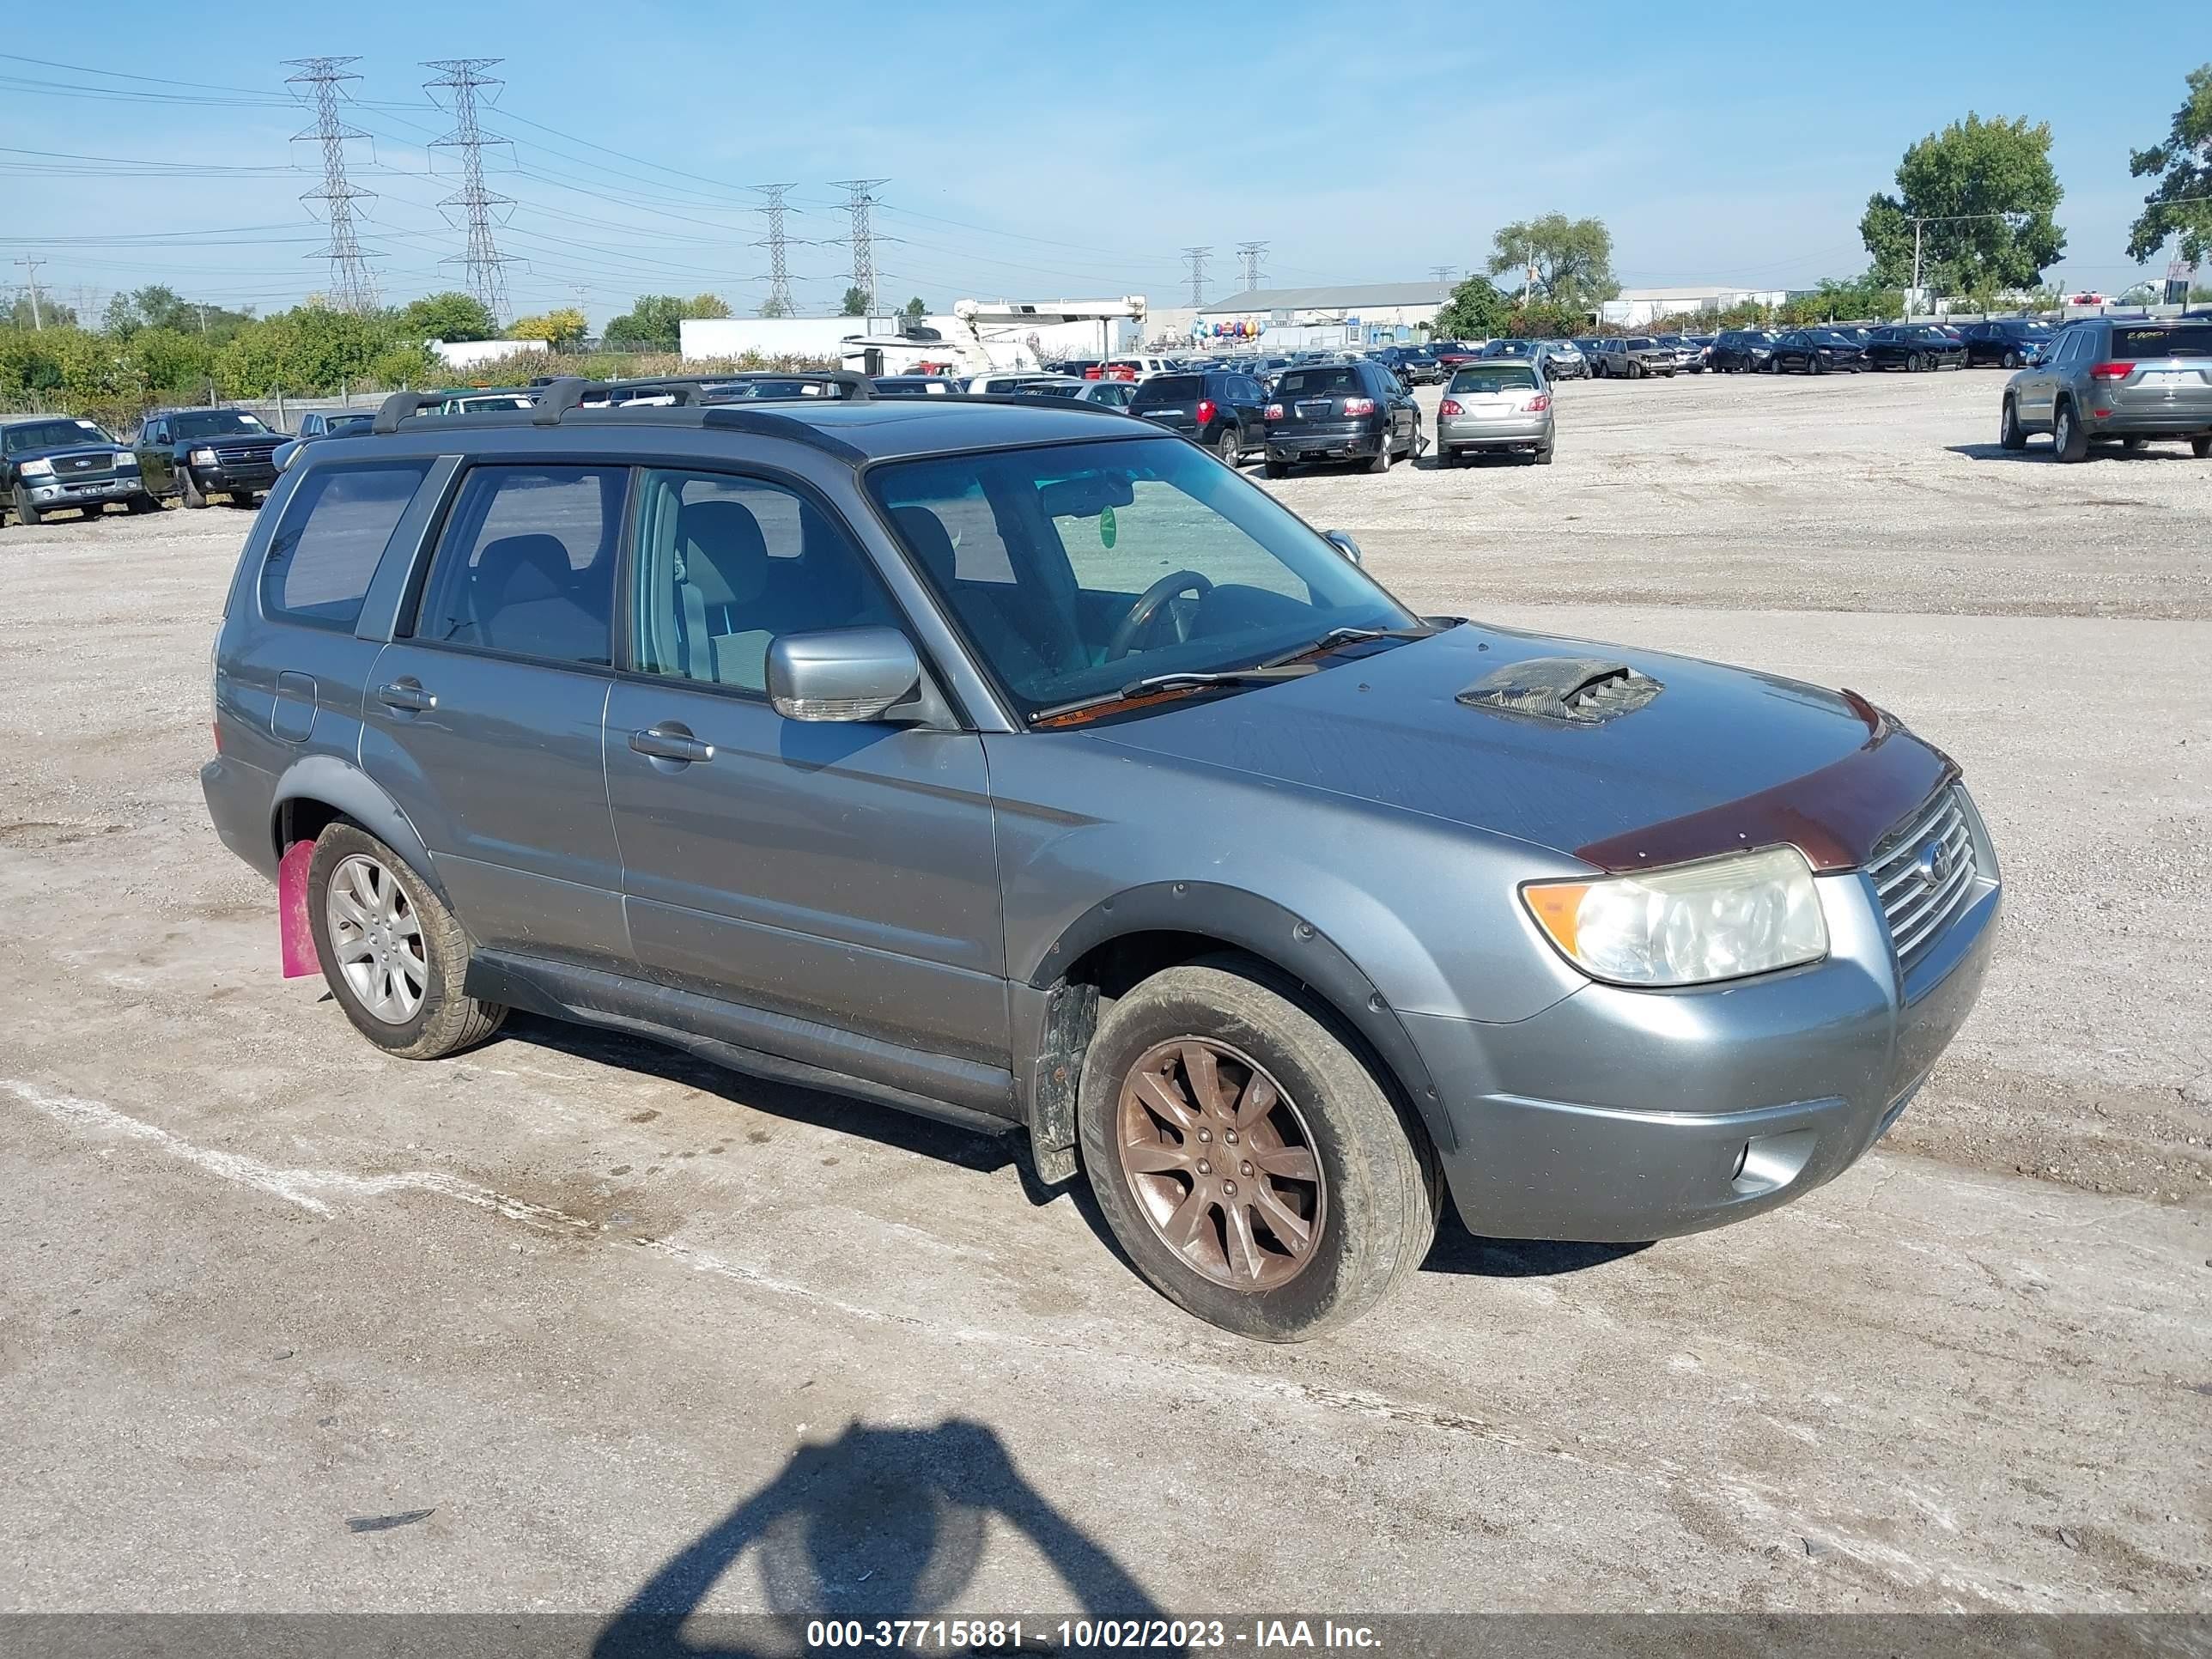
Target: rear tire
<point>2070,442</point>
<point>1542,456</point>
<point>444,1020</point>
<point>1226,446</point>
<point>2200,447</point>
<point>1366,1181</point>
<point>2010,434</point>
<point>1382,461</point>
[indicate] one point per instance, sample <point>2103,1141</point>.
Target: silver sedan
<point>1499,403</point>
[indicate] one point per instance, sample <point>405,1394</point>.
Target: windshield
<point>1500,377</point>
<point>1076,569</point>
<point>1641,342</point>
<point>52,434</point>
<point>338,425</point>
<point>216,424</point>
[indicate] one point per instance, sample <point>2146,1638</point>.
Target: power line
<point>778,303</point>
<point>1195,257</point>
<point>1444,273</point>
<point>351,287</point>
<point>1249,254</point>
<point>487,266</point>
<point>864,242</point>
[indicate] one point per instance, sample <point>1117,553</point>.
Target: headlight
<point>126,462</point>
<point>1746,913</point>
<point>203,457</point>
<point>40,469</point>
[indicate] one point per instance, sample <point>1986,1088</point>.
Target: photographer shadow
<point>879,1523</point>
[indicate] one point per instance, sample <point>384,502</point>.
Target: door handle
<point>406,693</point>
<point>672,742</point>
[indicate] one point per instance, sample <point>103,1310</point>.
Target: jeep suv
<point>195,454</point>
<point>1633,358</point>
<point>2129,379</point>
<point>52,462</point>
<point>1017,763</point>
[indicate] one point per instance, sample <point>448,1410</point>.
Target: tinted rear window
<point>334,531</point>
<point>1312,382</point>
<point>1171,388</point>
<point>1494,377</point>
<point>2130,344</point>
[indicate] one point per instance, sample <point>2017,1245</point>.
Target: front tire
<point>391,953</point>
<point>2010,434</point>
<point>188,490</point>
<point>142,503</point>
<point>25,513</point>
<point>1254,1169</point>
<point>2200,447</point>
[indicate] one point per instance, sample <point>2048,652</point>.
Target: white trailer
<point>987,334</point>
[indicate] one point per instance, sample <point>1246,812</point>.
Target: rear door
<point>484,722</point>
<point>835,874</point>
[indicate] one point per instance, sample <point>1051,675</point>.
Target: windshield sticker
<point>88,426</point>
<point>1106,528</point>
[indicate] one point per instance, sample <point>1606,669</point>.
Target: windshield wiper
<point>1189,680</point>
<point>1337,637</point>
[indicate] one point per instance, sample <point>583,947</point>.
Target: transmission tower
<point>1444,273</point>
<point>1196,258</point>
<point>351,287</point>
<point>464,77</point>
<point>779,276</point>
<point>1249,254</point>
<point>864,241</point>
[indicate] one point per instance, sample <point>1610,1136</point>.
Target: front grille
<point>241,456</point>
<point>1924,876</point>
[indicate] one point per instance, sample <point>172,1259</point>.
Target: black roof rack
<point>402,405</point>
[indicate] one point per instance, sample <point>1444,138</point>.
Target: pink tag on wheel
<point>292,930</point>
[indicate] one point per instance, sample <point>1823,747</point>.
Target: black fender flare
<point>1278,936</point>
<point>340,784</point>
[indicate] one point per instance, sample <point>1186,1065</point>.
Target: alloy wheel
<point>377,940</point>
<point>1221,1163</point>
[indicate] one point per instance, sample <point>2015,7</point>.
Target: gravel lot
<point>289,1325</point>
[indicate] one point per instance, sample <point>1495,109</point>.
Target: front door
<point>484,722</point>
<point>841,874</point>
<point>152,449</point>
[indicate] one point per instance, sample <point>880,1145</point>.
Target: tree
<point>1984,192</point>
<point>562,329</point>
<point>916,310</point>
<point>856,302</point>
<point>772,306</point>
<point>655,322</point>
<point>1476,311</point>
<point>50,313</point>
<point>1571,259</point>
<point>448,317</point>
<point>2182,204</point>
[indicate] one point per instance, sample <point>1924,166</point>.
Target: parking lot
<point>572,1320</point>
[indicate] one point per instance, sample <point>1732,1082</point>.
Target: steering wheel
<point>1148,603</point>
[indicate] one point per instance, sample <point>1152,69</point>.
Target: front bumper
<point>1622,1115</point>
<point>73,492</point>
<point>221,479</point>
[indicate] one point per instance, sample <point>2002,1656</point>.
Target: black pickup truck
<point>52,462</point>
<point>194,454</point>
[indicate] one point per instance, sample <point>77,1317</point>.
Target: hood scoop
<point>1577,690</point>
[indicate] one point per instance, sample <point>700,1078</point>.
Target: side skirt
<point>956,1091</point>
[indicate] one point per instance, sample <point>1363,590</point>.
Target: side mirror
<point>1341,540</point>
<point>842,674</point>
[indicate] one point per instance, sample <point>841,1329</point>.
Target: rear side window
<point>1313,382</point>
<point>2130,344</point>
<point>525,566</point>
<point>334,530</point>
<point>1171,388</point>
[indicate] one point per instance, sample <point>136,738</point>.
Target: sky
<point>1041,150</point>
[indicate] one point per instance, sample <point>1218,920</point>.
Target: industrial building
<point>1634,307</point>
<point>1355,314</point>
